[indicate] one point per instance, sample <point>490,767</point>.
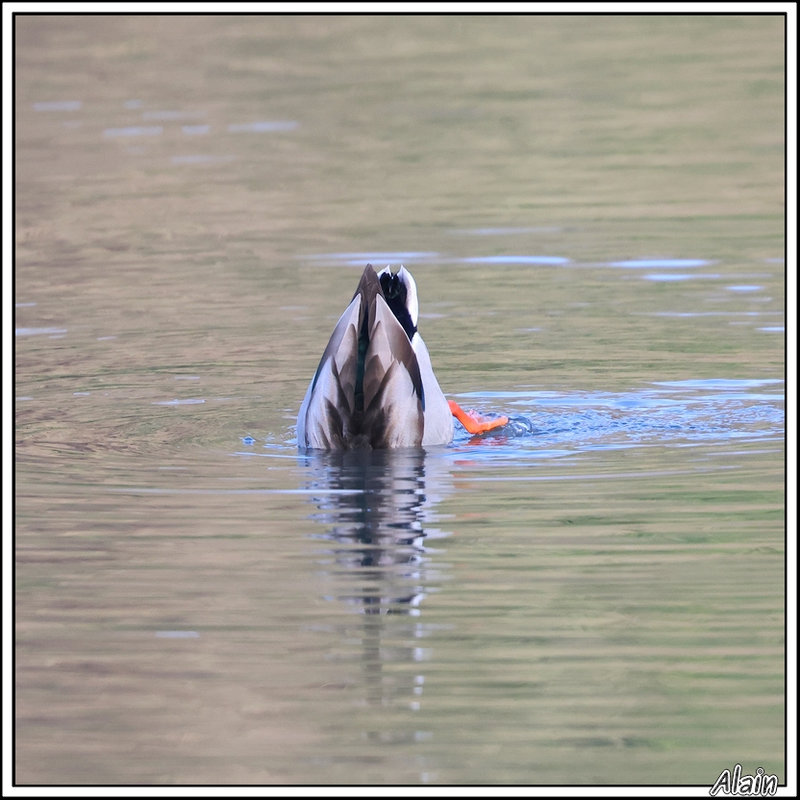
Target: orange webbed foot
<point>473,421</point>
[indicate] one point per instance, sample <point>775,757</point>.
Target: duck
<point>375,387</point>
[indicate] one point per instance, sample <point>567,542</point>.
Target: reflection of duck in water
<point>376,506</point>
<point>375,385</point>
<point>377,515</point>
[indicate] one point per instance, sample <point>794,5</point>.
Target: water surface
<point>592,209</point>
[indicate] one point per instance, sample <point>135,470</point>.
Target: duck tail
<point>367,391</point>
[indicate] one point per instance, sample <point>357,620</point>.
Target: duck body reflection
<point>375,508</point>
<point>374,504</point>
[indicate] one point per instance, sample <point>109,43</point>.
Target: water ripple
<point>58,105</point>
<point>544,260</point>
<point>39,331</point>
<point>263,126</point>
<point>666,277</point>
<point>372,256</point>
<point>133,130</point>
<point>661,263</point>
<point>666,413</point>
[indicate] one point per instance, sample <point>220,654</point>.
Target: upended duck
<point>374,386</point>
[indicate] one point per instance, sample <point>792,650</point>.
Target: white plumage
<point>375,385</point>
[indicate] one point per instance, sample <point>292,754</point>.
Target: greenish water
<point>592,208</point>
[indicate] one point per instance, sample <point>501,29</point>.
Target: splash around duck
<point>375,386</point>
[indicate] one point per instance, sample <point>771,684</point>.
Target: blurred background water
<point>593,210</point>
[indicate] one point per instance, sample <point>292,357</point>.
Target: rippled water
<point>670,414</point>
<point>592,210</point>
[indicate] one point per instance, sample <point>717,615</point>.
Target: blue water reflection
<point>57,105</point>
<point>519,259</point>
<point>665,413</point>
<point>263,126</point>
<point>374,257</point>
<point>133,130</point>
<point>662,263</point>
<point>677,277</point>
